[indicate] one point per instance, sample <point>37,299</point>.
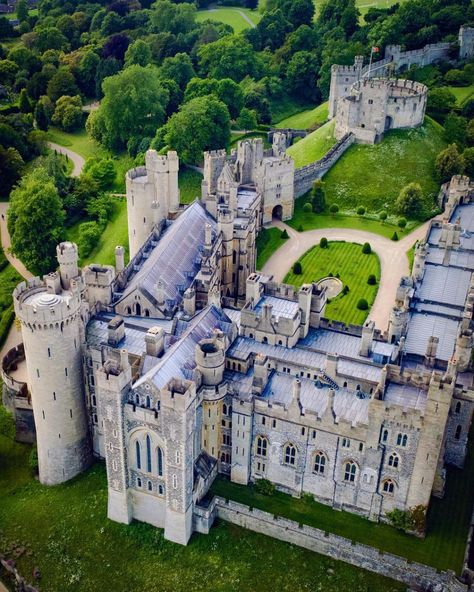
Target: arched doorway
<point>388,123</point>
<point>277,212</point>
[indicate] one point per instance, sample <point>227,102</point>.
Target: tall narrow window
<point>148,454</point>
<point>160,461</point>
<point>138,454</point>
<point>457,434</point>
<point>384,436</point>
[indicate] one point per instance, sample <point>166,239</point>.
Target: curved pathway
<point>76,158</point>
<point>247,19</point>
<point>392,255</point>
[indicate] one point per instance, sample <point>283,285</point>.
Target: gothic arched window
<point>148,453</point>
<point>319,463</point>
<point>159,460</point>
<point>290,454</point>
<point>350,471</point>
<point>262,446</point>
<point>388,486</point>
<point>138,454</point>
<point>393,460</point>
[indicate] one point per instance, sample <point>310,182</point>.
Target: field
<point>268,241</point>
<point>462,93</point>
<point>306,119</point>
<point>372,176</point>
<point>308,221</point>
<point>447,524</point>
<point>353,269</point>
<point>238,18</point>
<point>314,146</point>
<point>68,537</point>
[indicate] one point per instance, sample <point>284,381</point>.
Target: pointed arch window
<point>138,454</point>
<point>148,454</point>
<point>319,463</point>
<point>350,472</point>
<point>262,446</point>
<point>290,454</point>
<point>388,486</point>
<point>393,460</point>
<point>159,460</point>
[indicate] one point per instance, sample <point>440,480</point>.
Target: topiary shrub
<point>264,486</point>
<point>366,249</point>
<point>297,268</point>
<point>371,280</point>
<point>383,216</point>
<point>334,209</point>
<point>402,222</point>
<point>360,211</point>
<point>362,304</point>
<point>284,234</point>
<point>345,290</point>
<point>323,243</point>
<point>394,236</point>
<point>307,208</point>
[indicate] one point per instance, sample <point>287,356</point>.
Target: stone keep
<point>152,195</point>
<point>51,330</point>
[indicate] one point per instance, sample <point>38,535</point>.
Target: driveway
<point>76,158</point>
<point>392,255</point>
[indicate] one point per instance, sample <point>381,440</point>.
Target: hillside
<point>372,176</point>
<point>314,146</point>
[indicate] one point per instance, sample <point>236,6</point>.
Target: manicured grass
<point>115,233</point>
<point>189,182</point>
<point>372,176</point>
<point>314,146</point>
<point>285,106</point>
<point>353,268</point>
<point>448,519</point>
<point>309,221</point>
<point>306,119</point>
<point>268,241</point>
<point>76,548</point>
<point>230,16</point>
<point>462,93</point>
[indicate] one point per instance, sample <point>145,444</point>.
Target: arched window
<point>129,310</point>
<point>388,486</point>
<point>137,399</point>
<point>229,411</point>
<point>150,486</point>
<point>458,407</point>
<point>350,471</point>
<point>402,440</point>
<point>148,453</point>
<point>147,312</point>
<point>159,460</point>
<point>290,454</point>
<point>393,460</point>
<point>457,433</point>
<point>319,463</point>
<point>224,409</point>
<point>265,339</point>
<point>160,489</point>
<point>138,309</point>
<point>148,401</point>
<point>139,482</point>
<point>262,446</point>
<point>138,454</point>
<point>384,436</point>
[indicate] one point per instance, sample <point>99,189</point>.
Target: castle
<point>187,363</point>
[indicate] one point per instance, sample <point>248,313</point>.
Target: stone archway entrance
<point>277,212</point>
<point>388,123</point>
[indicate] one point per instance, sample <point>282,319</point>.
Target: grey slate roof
<point>281,307</point>
<point>445,285</point>
<point>176,258</point>
<point>422,326</point>
<point>406,396</point>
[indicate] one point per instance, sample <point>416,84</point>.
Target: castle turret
<point>51,335</point>
<point>342,78</point>
<point>67,256</point>
<point>210,359</point>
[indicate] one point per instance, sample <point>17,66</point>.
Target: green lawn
<point>314,146</point>
<point>353,269</point>
<point>309,221</point>
<point>268,241</point>
<point>68,537</point>
<point>372,176</point>
<point>462,93</point>
<point>189,182</point>
<point>230,16</point>
<point>306,119</point>
<point>115,233</point>
<point>448,519</point>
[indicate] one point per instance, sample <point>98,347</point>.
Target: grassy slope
<point>189,184</point>
<point>306,119</point>
<point>353,267</point>
<point>462,93</point>
<point>230,16</point>
<point>448,519</point>
<point>309,221</point>
<point>372,176</point>
<point>76,548</point>
<point>268,241</point>
<point>314,146</point>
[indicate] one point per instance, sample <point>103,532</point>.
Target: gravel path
<point>247,19</point>
<point>392,255</point>
<point>76,158</point>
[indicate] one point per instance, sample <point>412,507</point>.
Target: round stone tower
<point>210,359</point>
<point>50,326</point>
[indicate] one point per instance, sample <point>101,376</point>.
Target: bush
<point>102,170</point>
<point>402,222</point>
<point>300,228</point>
<point>284,234</point>
<point>297,268</point>
<point>334,209</point>
<point>360,211</point>
<point>383,216</point>
<point>394,236</point>
<point>366,249</point>
<point>68,113</point>
<point>371,280</point>
<point>362,304</point>
<point>400,519</point>
<point>318,200</point>
<point>264,487</point>
<point>33,459</point>
<point>89,235</point>
<point>323,243</point>
<point>307,208</point>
